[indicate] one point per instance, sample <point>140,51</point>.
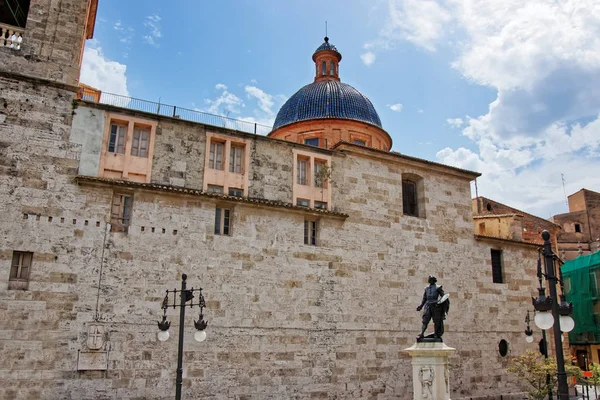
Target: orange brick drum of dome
<point>328,111</point>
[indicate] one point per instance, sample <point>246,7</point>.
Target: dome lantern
<point>327,59</point>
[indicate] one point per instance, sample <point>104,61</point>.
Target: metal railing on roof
<point>186,114</point>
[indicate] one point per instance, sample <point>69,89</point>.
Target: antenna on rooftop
<point>325,28</point>
<point>564,190</point>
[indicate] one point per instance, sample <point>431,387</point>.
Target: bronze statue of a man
<point>436,305</point>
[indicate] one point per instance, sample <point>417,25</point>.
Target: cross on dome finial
<point>326,39</point>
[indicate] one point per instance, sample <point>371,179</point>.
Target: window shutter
<point>497,266</point>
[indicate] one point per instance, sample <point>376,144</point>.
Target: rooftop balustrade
<point>11,36</point>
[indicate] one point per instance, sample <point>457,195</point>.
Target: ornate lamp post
<point>543,346</point>
<point>200,335</point>
<point>552,315</point>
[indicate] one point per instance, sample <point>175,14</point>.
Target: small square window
<point>497,270</point>
<point>222,221</point>
<point>120,218</point>
<point>303,202</point>
<point>321,205</point>
<point>310,232</point>
<point>19,270</point>
<point>236,192</point>
<point>312,142</point>
<point>578,228</point>
<point>214,189</point>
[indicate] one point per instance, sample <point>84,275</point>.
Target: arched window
<point>324,67</point>
<point>332,68</point>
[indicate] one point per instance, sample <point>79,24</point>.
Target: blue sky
<point>481,85</point>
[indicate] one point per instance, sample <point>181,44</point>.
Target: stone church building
<point>312,244</point>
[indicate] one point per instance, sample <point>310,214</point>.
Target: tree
<point>534,369</point>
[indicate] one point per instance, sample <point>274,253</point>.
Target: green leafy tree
<point>595,379</point>
<point>534,369</point>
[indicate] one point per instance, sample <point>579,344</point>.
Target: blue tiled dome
<point>327,99</point>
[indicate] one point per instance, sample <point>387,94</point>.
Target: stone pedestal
<point>431,375</point>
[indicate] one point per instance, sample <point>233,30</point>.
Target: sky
<point>508,88</point>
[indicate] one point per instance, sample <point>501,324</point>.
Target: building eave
<point>344,146</point>
<point>179,190</point>
<point>496,238</point>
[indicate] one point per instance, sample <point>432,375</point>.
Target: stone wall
<point>286,320</point>
<point>52,42</point>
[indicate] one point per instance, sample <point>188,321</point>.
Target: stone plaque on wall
<point>92,361</point>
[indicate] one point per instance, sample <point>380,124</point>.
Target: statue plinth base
<point>431,374</point>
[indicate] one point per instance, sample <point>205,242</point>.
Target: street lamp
<point>550,314</point>
<point>163,326</point>
<point>543,347</point>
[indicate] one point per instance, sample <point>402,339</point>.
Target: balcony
<point>11,36</point>
<point>88,93</point>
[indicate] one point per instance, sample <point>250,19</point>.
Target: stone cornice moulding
<point>178,190</point>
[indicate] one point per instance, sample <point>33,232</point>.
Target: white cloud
<point>420,111</point>
<point>102,73</point>
<point>455,122</point>
<point>395,107</point>
<point>421,22</point>
<point>152,22</point>
<point>262,106</point>
<point>225,104</point>
<point>368,58</point>
<point>265,100</point>
<point>543,59</point>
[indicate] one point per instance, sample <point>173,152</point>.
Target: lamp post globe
<point>529,339</point>
<point>566,323</point>
<point>544,320</point>
<point>163,336</point>
<point>200,336</point>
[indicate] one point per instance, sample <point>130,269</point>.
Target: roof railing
<point>132,103</point>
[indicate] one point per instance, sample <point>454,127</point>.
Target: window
<point>323,68</point>
<point>215,189</point>
<point>321,205</point>
<point>303,202</point>
<point>321,174</point>
<point>19,270</point>
<point>312,142</point>
<point>310,233</point>
<point>236,192</point>
<point>302,172</point>
<point>216,155</point>
<point>120,217</point>
<point>139,148</point>
<point>116,141</point>
<point>497,266</point>
<point>331,68</point>
<point>222,221</point>
<point>578,228</point>
<point>359,142</point>
<point>409,198</point>
<point>235,159</point>
<point>503,348</point>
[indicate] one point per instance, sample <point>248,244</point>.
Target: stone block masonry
<point>287,320</point>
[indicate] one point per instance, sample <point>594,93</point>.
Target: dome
<point>327,99</point>
<point>327,46</point>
